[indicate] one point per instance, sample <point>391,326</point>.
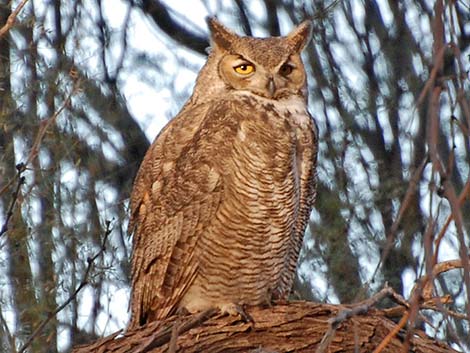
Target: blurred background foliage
<point>85,85</point>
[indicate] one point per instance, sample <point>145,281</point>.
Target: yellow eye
<point>244,69</point>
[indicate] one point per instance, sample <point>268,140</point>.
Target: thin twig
<point>33,153</point>
<point>450,194</point>
<point>437,270</point>
<point>410,192</point>
<point>164,335</point>
<point>12,18</point>
<point>463,195</point>
<point>73,296</point>
<point>48,122</point>
<point>10,337</point>
<point>322,13</point>
<point>357,309</point>
<point>392,333</point>
<point>433,143</point>
<point>45,124</point>
<point>20,168</point>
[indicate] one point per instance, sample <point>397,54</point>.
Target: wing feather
<point>174,198</point>
<point>307,146</point>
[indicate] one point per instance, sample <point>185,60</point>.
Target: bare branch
<point>45,124</point>
<point>12,18</point>
<point>291,327</point>
<point>73,296</point>
<point>20,169</point>
<point>411,190</point>
<point>360,308</point>
<point>393,333</point>
<point>164,20</point>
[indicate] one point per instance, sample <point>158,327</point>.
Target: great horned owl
<point>223,195</point>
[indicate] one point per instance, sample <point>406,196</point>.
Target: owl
<point>222,198</point>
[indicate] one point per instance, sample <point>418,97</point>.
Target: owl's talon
<point>237,310</point>
<point>247,318</point>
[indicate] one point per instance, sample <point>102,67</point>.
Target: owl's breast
<point>253,229</point>
<point>256,148</point>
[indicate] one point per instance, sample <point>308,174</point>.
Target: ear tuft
<point>300,36</point>
<point>221,36</point>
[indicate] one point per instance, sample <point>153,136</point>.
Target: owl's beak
<point>271,87</point>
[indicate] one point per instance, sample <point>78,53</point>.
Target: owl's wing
<point>306,165</point>
<point>163,259</point>
<point>176,194</point>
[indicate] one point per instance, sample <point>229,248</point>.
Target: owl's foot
<point>281,301</point>
<point>236,310</point>
<point>277,297</point>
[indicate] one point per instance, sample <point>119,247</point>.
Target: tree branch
<point>12,18</point>
<point>295,326</point>
<point>20,169</point>
<point>73,296</point>
<point>163,19</point>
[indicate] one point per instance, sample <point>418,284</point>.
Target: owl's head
<point>268,67</point>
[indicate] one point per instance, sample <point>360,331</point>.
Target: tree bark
<point>293,327</point>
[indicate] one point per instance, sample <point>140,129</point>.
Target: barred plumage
<point>223,195</point>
